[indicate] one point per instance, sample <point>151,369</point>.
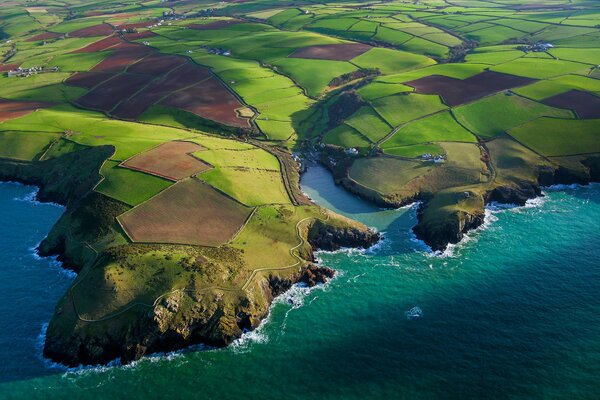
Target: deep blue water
<point>514,312</point>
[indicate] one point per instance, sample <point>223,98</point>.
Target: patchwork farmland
<point>176,131</point>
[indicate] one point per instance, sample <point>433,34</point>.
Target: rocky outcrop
<point>323,236</point>
<point>517,194</point>
<point>450,230</point>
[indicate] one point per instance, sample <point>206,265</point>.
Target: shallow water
<point>512,313</point>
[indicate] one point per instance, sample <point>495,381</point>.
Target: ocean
<point>513,312</point>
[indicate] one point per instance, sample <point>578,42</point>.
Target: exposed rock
<point>450,230</point>
<point>518,194</point>
<point>327,237</point>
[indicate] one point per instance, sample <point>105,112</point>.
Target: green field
<point>438,128</point>
<point>251,187</point>
<point>494,115</point>
<point>25,146</point>
<point>367,122</point>
<point>346,136</point>
<point>400,109</point>
<point>559,137</point>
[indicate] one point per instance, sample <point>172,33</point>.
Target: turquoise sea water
<point>512,313</point>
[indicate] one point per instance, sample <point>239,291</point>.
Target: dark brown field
<point>189,212</point>
<point>456,91</point>
<point>215,25</point>
<point>108,94</point>
<point>211,100</point>
<point>127,94</point>
<point>140,35</point>
<point>586,105</point>
<point>87,80</point>
<point>179,78</point>
<point>100,45</point>
<point>337,52</point>
<point>170,160</point>
<point>44,36</point>
<point>91,31</point>
<point>122,57</point>
<point>10,109</point>
<point>156,64</point>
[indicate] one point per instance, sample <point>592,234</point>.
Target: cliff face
<point>327,237</point>
<point>55,185</point>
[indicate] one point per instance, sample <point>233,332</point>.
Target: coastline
<point>439,233</point>
<point>57,348</point>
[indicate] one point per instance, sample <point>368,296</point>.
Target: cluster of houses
<point>536,47</point>
<point>219,51</point>
<point>166,18</point>
<point>431,157</point>
<point>25,72</point>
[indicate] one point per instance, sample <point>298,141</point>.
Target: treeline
<point>351,76</point>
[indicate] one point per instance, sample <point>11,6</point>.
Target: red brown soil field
<point>44,36</point>
<point>100,45</point>
<point>215,25</point>
<point>87,80</point>
<point>189,212</point>
<point>108,94</point>
<point>170,160</point>
<point>184,76</point>
<point>140,35</point>
<point>10,109</point>
<point>586,105</point>
<point>136,25</point>
<point>91,31</point>
<point>338,52</point>
<point>456,91</point>
<point>156,64</point>
<point>211,100</point>
<point>122,57</point>
<point>8,67</point>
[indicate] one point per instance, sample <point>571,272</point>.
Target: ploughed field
<point>175,132</point>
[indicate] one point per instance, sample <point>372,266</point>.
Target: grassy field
<point>559,137</point>
<point>367,122</point>
<point>25,146</point>
<point>346,136</point>
<point>399,109</point>
<point>494,115</point>
<point>440,127</point>
<point>252,187</point>
<point>254,158</point>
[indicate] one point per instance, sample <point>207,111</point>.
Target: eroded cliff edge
<point>134,299</point>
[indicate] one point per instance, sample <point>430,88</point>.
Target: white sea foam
<point>294,298</point>
<point>53,262</point>
<point>490,217</point>
<point>32,198</point>
<point>560,187</point>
